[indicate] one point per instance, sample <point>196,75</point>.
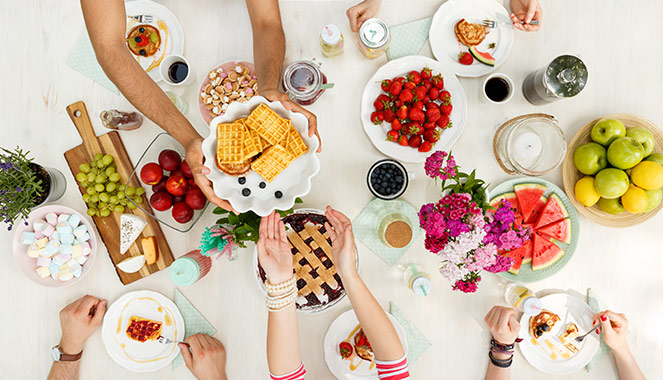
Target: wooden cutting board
<point>109,227</point>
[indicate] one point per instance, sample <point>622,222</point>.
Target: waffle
<point>272,162</point>
<point>252,143</point>
<point>295,145</point>
<point>142,330</point>
<point>234,170</point>
<point>269,125</point>
<point>469,34</point>
<point>230,143</point>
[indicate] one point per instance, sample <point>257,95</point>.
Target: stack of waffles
<point>263,142</point>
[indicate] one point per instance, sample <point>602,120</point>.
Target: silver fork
<point>164,340</point>
<point>493,24</point>
<point>582,337</point>
<point>143,18</point>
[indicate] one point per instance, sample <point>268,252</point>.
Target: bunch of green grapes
<point>103,191</point>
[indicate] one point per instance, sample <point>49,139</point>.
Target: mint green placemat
<point>417,343</point>
<point>194,322</point>
<point>408,39</point>
<point>596,305</point>
<point>366,226</point>
<point>83,60</point>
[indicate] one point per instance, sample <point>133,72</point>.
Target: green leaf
<point>233,219</point>
<point>298,200</point>
<point>219,211</point>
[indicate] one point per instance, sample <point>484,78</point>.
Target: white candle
<point>527,145</point>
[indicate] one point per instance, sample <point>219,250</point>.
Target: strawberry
<point>438,81</point>
<point>402,113</point>
<point>420,92</point>
<point>385,85</point>
<point>432,135</point>
<point>418,105</point>
<point>381,102</point>
<point>400,80</point>
<point>429,125</point>
<point>406,95</point>
<point>414,76</point>
<point>403,140</point>
<point>393,136</point>
<point>377,117</point>
<point>397,104</point>
<point>427,84</point>
<point>430,105</point>
<point>446,108</point>
<point>409,85</point>
<point>395,88</point>
<point>443,121</point>
<point>425,147</point>
<point>445,96</point>
<point>415,129</point>
<point>434,94</point>
<point>396,125</point>
<point>465,58</point>
<point>389,115</point>
<point>426,73</point>
<point>433,114</point>
<point>414,141</point>
<point>416,114</point>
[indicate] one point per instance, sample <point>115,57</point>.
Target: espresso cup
<point>497,88</point>
<point>176,71</point>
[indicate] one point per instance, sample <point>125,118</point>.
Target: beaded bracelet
<point>280,288</point>
<point>280,304</point>
<point>504,347</point>
<point>500,363</point>
<point>282,296</point>
<point>498,351</point>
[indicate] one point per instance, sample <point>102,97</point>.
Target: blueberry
<point>262,185</point>
<point>142,52</point>
<point>399,178</point>
<point>545,327</point>
<point>242,180</point>
<point>278,194</point>
<point>246,192</point>
<point>137,39</point>
<point>141,29</point>
<point>388,175</point>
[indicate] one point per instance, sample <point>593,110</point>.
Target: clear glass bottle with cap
<point>331,40</point>
<point>124,121</point>
<point>417,280</point>
<point>564,77</point>
<point>374,38</point>
<point>304,82</point>
<point>522,299</point>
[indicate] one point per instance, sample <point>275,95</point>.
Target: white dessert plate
<point>547,354</point>
<point>445,44</point>
<point>293,182</point>
<point>344,328</point>
<point>148,356</point>
<point>401,67</point>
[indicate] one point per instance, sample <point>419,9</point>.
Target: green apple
<point>606,131</point>
<point>625,153</point>
<point>590,158</point>
<point>656,157</point>
<point>611,206</point>
<point>644,137</point>
<point>653,198</point>
<point>611,183</point>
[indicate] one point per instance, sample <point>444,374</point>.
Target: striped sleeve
<point>297,374</point>
<point>393,370</point>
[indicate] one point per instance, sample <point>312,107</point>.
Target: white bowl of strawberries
<point>413,106</point>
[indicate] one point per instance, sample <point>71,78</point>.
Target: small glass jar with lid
<point>374,38</point>
<point>331,40</point>
<point>303,82</point>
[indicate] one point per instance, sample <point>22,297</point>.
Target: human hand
<point>274,250</point>
<point>206,358</point>
<point>614,328</point>
<point>362,12</point>
<point>276,95</point>
<point>78,320</point>
<point>196,159</point>
<point>502,324</point>
<point>343,242</point>
<point>526,10</point>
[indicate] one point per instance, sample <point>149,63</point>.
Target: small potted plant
<point>25,185</point>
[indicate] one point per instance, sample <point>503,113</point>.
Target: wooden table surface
<point>613,39</point>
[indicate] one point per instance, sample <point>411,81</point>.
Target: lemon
<point>635,200</point>
<point>585,192</point>
<point>648,175</point>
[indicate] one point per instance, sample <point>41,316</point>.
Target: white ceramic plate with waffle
<point>344,328</point>
<point>252,191</point>
<point>132,354</point>
<point>402,66</point>
<point>446,46</point>
<point>548,353</point>
<point>170,31</point>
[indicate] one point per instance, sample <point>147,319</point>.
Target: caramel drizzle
<point>354,366</point>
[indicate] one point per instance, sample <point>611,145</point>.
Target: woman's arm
<point>504,328</point>
<point>615,328</point>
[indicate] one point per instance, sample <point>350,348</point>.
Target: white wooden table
<point>618,41</point>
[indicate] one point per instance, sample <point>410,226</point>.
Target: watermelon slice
<point>545,253</point>
<point>528,194</point>
<point>553,211</point>
<point>513,200</point>
<point>519,255</point>
<point>560,230</point>
<point>534,216</point>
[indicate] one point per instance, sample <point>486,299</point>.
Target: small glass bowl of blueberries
<point>387,179</point>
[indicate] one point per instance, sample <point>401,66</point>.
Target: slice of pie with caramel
<point>142,329</point>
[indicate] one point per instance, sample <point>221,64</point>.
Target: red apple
<point>169,159</point>
<point>186,169</point>
<point>182,213</point>
<point>161,200</point>
<point>195,199</point>
<point>178,199</point>
<point>151,173</point>
<point>161,185</point>
<point>177,172</point>
<point>177,185</point>
<point>192,184</point>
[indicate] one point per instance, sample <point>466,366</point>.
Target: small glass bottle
<point>124,121</point>
<point>374,38</point>
<point>522,299</point>
<point>417,280</point>
<point>331,40</point>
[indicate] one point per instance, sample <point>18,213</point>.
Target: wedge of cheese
<point>130,228</point>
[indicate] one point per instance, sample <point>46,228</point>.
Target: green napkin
<point>408,39</point>
<point>83,60</point>
<point>194,322</point>
<point>366,226</point>
<point>596,305</point>
<point>417,343</point>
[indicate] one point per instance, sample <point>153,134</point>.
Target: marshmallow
<point>43,272</point>
<point>41,243</point>
<point>76,250</point>
<point>81,260</point>
<point>27,237</point>
<point>67,238</point>
<point>60,259</point>
<point>54,269</point>
<point>85,237</point>
<point>65,275</point>
<point>55,236</point>
<point>67,249</point>
<point>39,235</point>
<point>52,248</point>
<point>85,246</point>
<point>64,228</point>
<point>39,225</point>
<point>33,250</point>
<point>74,220</point>
<point>43,262</point>
<point>75,268</point>
<point>49,230</point>
<point>80,231</point>
<point>51,218</point>
<point>63,218</point>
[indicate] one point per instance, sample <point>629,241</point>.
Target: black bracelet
<point>500,363</point>
<point>503,347</point>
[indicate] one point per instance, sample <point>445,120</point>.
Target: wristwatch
<point>58,356</point>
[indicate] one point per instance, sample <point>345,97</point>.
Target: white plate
<point>133,355</point>
<point>293,182</point>
<point>339,330</point>
<point>569,309</point>
<point>173,43</point>
<point>402,66</point>
<point>445,44</point>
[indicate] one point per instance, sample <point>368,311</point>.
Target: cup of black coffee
<point>387,179</point>
<point>175,70</point>
<point>498,88</point>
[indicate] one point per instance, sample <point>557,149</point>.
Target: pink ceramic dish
<point>29,265</point>
<point>207,118</point>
